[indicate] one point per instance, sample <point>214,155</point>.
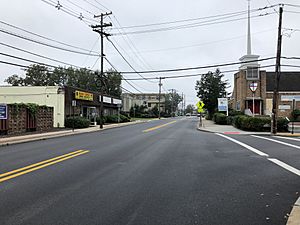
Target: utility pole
<point>159,93</point>
<point>277,76</point>
<point>182,112</point>
<point>102,34</point>
<point>172,103</point>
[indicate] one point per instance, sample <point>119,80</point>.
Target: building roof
<point>289,81</point>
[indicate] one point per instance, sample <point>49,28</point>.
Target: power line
<point>191,75</point>
<point>195,19</point>
<point>45,44</point>
<point>115,47</point>
<point>68,11</point>
<point>44,37</point>
<point>35,54</point>
<point>197,67</point>
<point>27,60</point>
<point>122,79</point>
<point>188,25</point>
<point>130,43</point>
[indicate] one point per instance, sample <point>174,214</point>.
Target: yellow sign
<point>84,96</point>
<point>200,110</point>
<point>200,105</point>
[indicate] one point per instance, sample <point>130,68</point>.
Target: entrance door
<point>256,106</point>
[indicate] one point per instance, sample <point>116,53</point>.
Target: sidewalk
<point>47,135</point>
<point>210,126</point>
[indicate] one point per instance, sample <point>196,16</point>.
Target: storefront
<point>79,102</point>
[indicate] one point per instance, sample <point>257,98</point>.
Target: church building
<point>253,87</point>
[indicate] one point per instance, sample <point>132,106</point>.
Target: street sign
<point>253,86</point>
<point>222,104</point>
<point>200,106</point>
<point>3,111</point>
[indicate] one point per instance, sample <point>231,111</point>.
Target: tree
<point>38,75</point>
<point>190,108</point>
<point>171,103</point>
<point>209,88</point>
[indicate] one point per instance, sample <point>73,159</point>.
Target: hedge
<point>79,122</point>
<point>220,118</point>
<point>258,123</point>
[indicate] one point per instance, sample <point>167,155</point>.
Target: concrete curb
<point>66,133</point>
<point>294,218</point>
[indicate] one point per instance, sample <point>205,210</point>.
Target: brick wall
<point>18,115</point>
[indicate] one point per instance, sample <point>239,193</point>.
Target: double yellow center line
<point>159,126</point>
<point>27,169</point>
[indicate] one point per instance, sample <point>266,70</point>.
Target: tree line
<point>39,75</point>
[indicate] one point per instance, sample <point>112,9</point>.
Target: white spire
<point>249,31</point>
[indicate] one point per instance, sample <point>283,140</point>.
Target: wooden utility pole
<point>99,29</point>
<point>159,93</point>
<point>277,76</point>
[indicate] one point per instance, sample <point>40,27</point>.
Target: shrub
<point>98,120</point>
<point>237,121</point>
<point>296,114</point>
<point>255,123</point>
<point>220,118</point>
<point>282,124</point>
<point>79,122</point>
<point>235,113</point>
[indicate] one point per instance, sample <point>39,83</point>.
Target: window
<point>252,73</point>
<point>149,104</point>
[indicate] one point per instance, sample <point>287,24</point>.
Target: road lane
<point>171,175</point>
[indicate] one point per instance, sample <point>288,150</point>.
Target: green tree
<point>190,108</point>
<point>37,75</point>
<point>112,83</point>
<point>209,88</point>
<point>172,101</point>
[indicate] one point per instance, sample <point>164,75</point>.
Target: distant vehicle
<point>187,114</point>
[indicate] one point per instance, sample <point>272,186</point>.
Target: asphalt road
<point>158,173</point>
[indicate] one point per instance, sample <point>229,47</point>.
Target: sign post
<point>200,110</point>
<point>253,87</point>
<point>73,106</point>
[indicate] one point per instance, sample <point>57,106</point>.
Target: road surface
<point>158,173</point>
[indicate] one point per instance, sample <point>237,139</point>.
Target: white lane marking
<point>288,138</point>
<point>244,145</point>
<point>279,142</point>
<point>285,166</point>
<point>276,161</point>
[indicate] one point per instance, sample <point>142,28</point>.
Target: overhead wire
<point>124,80</point>
<point>42,36</point>
<point>38,55</point>
<point>198,24</point>
<point>132,46</point>
<point>45,44</point>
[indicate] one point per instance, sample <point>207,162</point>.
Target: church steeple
<point>249,32</point>
<point>249,60</point>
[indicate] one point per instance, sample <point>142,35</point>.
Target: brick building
<point>259,102</point>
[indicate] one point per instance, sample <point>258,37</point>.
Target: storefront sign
<point>3,111</point>
<point>284,107</point>
<point>289,98</point>
<point>105,99</point>
<point>117,101</point>
<point>84,96</point>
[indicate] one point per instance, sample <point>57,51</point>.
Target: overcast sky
<point>201,45</point>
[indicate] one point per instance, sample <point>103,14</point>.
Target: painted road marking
<point>244,145</point>
<point>279,142</point>
<point>286,166</point>
<point>159,126</point>
<point>288,138</point>
<point>276,161</point>
<point>40,165</point>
